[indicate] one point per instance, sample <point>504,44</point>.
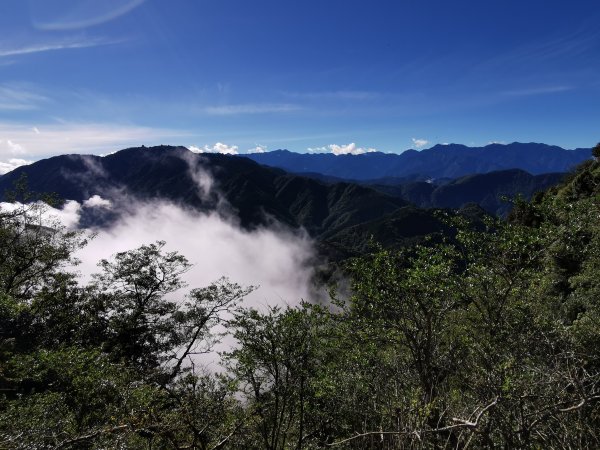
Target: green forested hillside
<point>486,339</point>
<point>489,190</point>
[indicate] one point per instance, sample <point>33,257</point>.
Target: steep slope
<point>488,190</point>
<point>440,161</point>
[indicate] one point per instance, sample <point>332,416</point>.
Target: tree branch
<point>462,423</point>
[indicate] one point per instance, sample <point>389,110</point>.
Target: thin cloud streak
<point>82,18</point>
<point>55,46</point>
<point>537,54</point>
<point>539,90</point>
<point>17,98</point>
<point>334,95</point>
<point>250,108</point>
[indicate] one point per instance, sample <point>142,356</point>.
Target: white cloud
<point>496,142</point>
<point>96,201</point>
<point>275,260</point>
<point>257,149</point>
<point>12,164</point>
<point>419,143</point>
<point>195,149</point>
<point>68,215</point>
<point>52,139</point>
<point>347,149</point>
<point>250,108</point>
<point>10,147</point>
<point>219,147</point>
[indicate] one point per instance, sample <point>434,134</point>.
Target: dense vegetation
<point>487,339</point>
<point>488,190</point>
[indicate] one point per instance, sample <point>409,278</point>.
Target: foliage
<point>487,338</point>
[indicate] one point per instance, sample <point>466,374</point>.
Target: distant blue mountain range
<point>440,161</point>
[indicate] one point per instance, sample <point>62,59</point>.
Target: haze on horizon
<point>79,76</point>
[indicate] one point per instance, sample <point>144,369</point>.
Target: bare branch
<point>462,423</point>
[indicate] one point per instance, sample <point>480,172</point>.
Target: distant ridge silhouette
<point>439,161</point>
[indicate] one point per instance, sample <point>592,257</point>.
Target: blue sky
<point>237,75</point>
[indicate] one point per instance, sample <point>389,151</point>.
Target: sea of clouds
<point>275,259</point>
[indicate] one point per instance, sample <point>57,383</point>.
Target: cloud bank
<point>275,260</point>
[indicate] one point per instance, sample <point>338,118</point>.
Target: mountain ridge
<point>254,193</point>
<point>439,161</point>
<point>338,213</point>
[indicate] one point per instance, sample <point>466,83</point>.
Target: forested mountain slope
<point>492,191</point>
<point>255,194</point>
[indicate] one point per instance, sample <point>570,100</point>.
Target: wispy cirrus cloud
<point>581,42</point>
<point>19,98</point>
<point>77,15</point>
<point>11,49</point>
<point>251,108</point>
<point>540,90</point>
<point>334,95</point>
